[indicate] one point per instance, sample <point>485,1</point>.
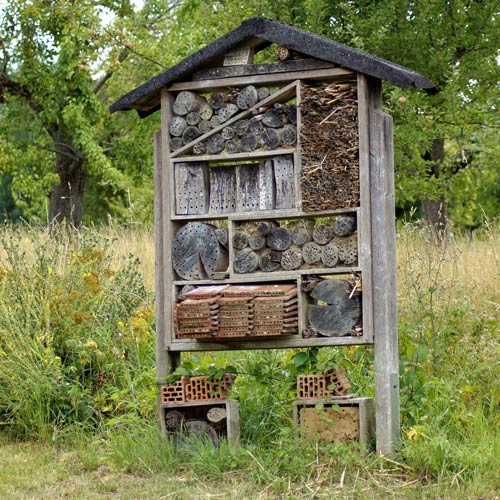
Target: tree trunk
<point>434,211</point>
<point>66,198</point>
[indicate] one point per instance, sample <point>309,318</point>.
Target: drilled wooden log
<point>284,175</point>
<point>247,188</point>
<point>199,148</point>
<point>255,124</point>
<point>266,185</point>
<point>215,121</point>
<point>205,110</point>
<point>193,118</point>
<point>176,143</point>
<point>196,253</point>
<point>248,142</point>
<point>279,239</point>
<point>242,127</point>
<point>302,232</point>
<point>266,261</point>
<point>322,234</point>
<point>348,251</point>
<point>240,240</point>
<point>233,146</point>
<point>176,126</point>
<point>222,189</point>
<point>256,241</point>
<point>246,261</point>
<point>216,100</point>
<point>205,126</point>
<point>330,255</point>
<point>266,226</point>
<point>291,259</point>
<point>247,97</point>
<point>190,134</point>
<point>274,118</point>
<point>263,93</point>
<point>344,225</point>
<point>311,252</point>
<point>283,53</point>
<point>222,236</point>
<point>185,102</point>
<point>215,144</point>
<point>289,135</point>
<point>227,112</point>
<point>270,138</point>
<point>227,133</point>
<point>291,113</point>
<point>191,188</point>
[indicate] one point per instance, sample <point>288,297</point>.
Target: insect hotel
<point>274,210</point>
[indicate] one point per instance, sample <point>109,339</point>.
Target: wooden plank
<point>262,153</point>
<point>383,275</point>
<point>284,175</point>
<point>247,188</point>
<point>266,185</point>
<point>283,94</point>
<point>275,78</point>
<point>294,273</point>
<point>191,188</point>
<point>288,342</point>
<point>298,150</point>
<point>262,69</point>
<point>222,189</point>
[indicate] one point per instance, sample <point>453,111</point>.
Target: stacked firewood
<point>269,247</point>
<point>268,126</point>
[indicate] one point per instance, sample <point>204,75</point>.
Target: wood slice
<point>256,241</point>
<point>215,144</point>
<point>176,126</point>
<point>266,262</point>
<point>216,414</point>
<point>289,135</point>
<point>205,111</point>
<point>248,142</point>
<point>185,102</point>
<point>193,118</point>
<point>205,126</point>
<point>274,118</point>
<point>266,226</point>
<point>247,97</point>
<point>330,255</point>
<point>214,121</point>
<point>216,100</point>
<point>291,113</point>
<point>344,225</point>
<point>302,232</point>
<point>322,234</point>
<point>332,291</point>
<point>348,251</point>
<point>199,148</point>
<point>200,430</point>
<point>291,259</point>
<point>222,236</point>
<point>242,127</point>
<point>240,240</point>
<point>190,134</point>
<point>227,133</point>
<point>227,112</point>
<point>263,93</point>
<point>245,261</point>
<point>196,253</point>
<point>255,125</point>
<point>233,146</point>
<point>279,239</point>
<point>311,252</point>
<point>270,138</point>
<point>176,143</point>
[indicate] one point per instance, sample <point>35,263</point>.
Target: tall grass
<point>76,346</point>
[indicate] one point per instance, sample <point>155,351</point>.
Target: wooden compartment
<point>336,420</point>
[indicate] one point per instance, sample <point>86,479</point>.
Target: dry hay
<point>329,141</point>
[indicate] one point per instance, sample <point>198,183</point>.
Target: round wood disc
<point>202,430</point>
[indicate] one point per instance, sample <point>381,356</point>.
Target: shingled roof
<point>259,32</point>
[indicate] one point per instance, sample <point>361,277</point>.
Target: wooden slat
<point>266,185</point>
<point>243,81</point>
<point>261,69</point>
<point>222,189</point>
<point>261,153</point>
<point>247,188</point>
<point>191,188</point>
<point>281,95</point>
<point>297,157</point>
<point>284,175</point>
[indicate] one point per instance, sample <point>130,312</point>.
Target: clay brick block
<point>205,389</point>
<point>173,393</point>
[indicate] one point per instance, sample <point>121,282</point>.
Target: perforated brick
<point>311,387</point>
<point>173,393</point>
<point>206,389</point>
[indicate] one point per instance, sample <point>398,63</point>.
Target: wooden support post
<point>383,250</point>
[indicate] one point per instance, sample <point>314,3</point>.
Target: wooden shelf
<point>288,342</point>
<point>248,156</point>
<point>290,274</point>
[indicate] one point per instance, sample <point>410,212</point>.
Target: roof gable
<point>261,32</point>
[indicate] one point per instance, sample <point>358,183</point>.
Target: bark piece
<point>215,144</point>
<point>291,259</point>
<point>247,97</point>
<point>176,126</point>
<point>344,225</point>
<point>279,239</point>
<point>267,263</point>
<point>311,252</point>
<point>330,255</point>
<point>322,234</point>
<point>196,253</point>
<point>245,261</point>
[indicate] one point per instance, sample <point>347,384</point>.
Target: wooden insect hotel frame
<point>274,201</point>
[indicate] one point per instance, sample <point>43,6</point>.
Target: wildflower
<point>90,344</point>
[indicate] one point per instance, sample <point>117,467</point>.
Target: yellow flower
<point>90,344</point>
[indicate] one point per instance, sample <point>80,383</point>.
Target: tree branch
<point>17,89</point>
<point>100,83</point>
